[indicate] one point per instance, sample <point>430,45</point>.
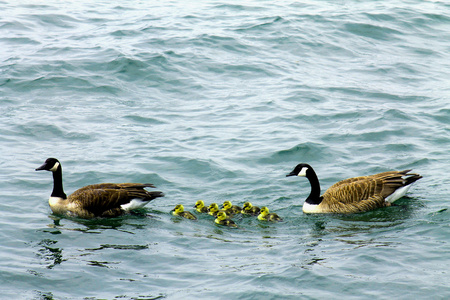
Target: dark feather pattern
<point>105,199</point>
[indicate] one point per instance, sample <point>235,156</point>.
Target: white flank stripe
<point>397,194</point>
<point>134,204</point>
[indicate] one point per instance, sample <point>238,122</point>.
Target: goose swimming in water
<point>97,200</point>
<point>356,194</point>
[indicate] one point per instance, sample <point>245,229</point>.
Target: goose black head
<point>300,170</point>
<point>51,164</point>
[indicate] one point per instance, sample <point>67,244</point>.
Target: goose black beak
<point>291,174</point>
<point>41,167</point>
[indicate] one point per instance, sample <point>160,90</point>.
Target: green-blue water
<point>219,100</point>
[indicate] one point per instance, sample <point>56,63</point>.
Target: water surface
<point>218,100</point>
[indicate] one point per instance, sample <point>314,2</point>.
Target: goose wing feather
<point>357,194</point>
<point>116,186</point>
<point>99,199</point>
<point>364,193</point>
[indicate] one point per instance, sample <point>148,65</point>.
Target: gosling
<point>214,209</point>
<point>200,207</point>
<point>222,219</point>
<point>229,208</point>
<point>249,209</point>
<point>266,216</point>
<point>179,211</point>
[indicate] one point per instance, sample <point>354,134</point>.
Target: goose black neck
<point>58,190</point>
<point>314,196</point>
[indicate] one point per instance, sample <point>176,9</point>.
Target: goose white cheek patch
<point>303,172</point>
<point>55,167</point>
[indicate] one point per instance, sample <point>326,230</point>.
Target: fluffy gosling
<point>200,207</point>
<point>266,216</point>
<point>222,219</point>
<point>229,208</point>
<point>179,211</point>
<point>214,209</point>
<point>249,209</point>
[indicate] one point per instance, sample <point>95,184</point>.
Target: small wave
<point>261,24</point>
<point>46,132</point>
<point>300,153</point>
<point>372,31</point>
<point>145,120</point>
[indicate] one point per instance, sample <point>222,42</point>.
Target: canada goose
<point>179,211</point>
<point>229,208</point>
<point>200,206</point>
<point>356,194</point>
<point>249,209</point>
<point>213,209</point>
<point>97,200</point>
<point>222,219</point>
<point>264,215</point>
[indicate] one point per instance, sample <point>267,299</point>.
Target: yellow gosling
<point>200,207</point>
<point>230,208</point>
<point>249,209</point>
<point>266,216</point>
<point>179,211</point>
<point>214,209</point>
<point>222,219</point>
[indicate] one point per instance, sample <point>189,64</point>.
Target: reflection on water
<point>363,243</point>
<point>96,226</point>
<point>52,255</point>
<point>120,247</point>
<point>103,264</point>
<point>39,295</point>
<point>311,257</point>
<point>43,295</point>
<point>351,231</point>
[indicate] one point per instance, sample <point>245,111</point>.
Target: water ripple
<point>219,101</point>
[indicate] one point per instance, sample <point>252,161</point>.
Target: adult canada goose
<point>229,208</point>
<point>179,211</point>
<point>249,209</point>
<point>222,219</point>
<point>264,215</point>
<point>356,194</point>
<point>200,206</point>
<point>97,200</point>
